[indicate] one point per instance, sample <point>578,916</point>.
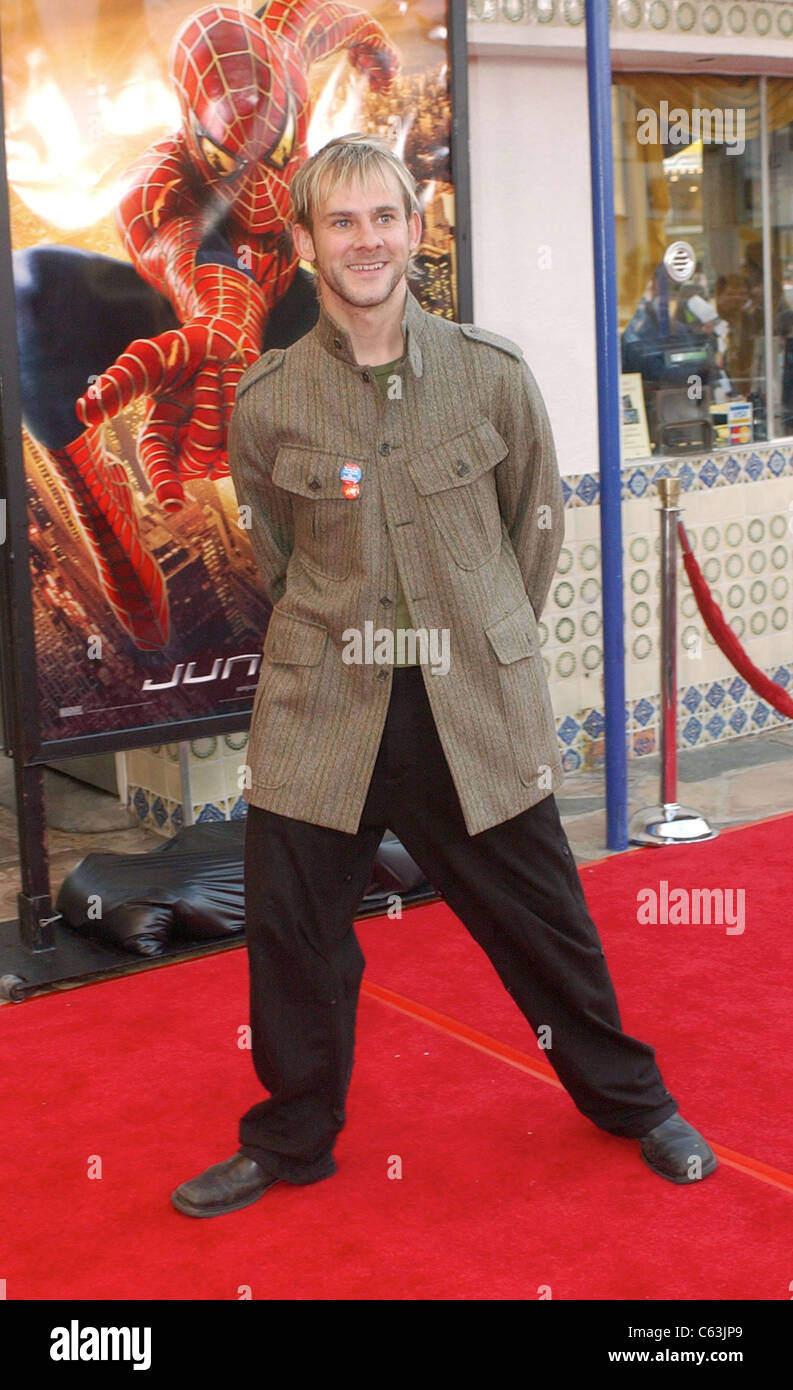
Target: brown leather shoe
<point>239,1182</point>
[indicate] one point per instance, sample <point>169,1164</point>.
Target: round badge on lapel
<point>350,475</point>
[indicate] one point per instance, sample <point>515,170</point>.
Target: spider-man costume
<point>204,222</point>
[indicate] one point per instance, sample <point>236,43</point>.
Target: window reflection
<point>780,108</point>
<point>688,169</point>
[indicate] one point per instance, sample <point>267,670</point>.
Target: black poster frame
<point>18,664</point>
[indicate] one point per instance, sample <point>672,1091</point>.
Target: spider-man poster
<point>150,145</point>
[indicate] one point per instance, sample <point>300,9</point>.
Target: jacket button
<point>382,675</point>
<point>385,448</point>
<point>463,468</point>
<point>314,484</point>
<point>386,602</point>
<point>365,376</point>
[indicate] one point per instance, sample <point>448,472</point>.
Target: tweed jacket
<point>459,497</point>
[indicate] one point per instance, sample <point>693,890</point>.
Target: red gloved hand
<point>190,374</point>
<point>380,62</point>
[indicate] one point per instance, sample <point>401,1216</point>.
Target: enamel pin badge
<point>350,475</point>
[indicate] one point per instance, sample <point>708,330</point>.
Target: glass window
<point>780,159</point>
<point>689,196</point>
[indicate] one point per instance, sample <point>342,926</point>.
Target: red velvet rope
<point>725,638</point>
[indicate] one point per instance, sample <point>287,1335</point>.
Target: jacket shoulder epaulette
<point>483,335</point>
<point>269,362</point>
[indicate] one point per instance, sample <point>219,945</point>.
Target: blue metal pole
<point>608,371</point>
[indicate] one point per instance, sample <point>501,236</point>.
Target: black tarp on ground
<point>190,889</point>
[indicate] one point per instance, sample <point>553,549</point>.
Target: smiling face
<point>360,242</point>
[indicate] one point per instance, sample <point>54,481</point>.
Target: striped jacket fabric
<point>459,496</point>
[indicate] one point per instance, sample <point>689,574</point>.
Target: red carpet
<point>505,1190</point>
<point>716,1007</point>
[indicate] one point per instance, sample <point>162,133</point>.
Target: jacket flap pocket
<point>516,635</point>
<point>310,472</point>
<point>294,641</point>
<point>457,461</point>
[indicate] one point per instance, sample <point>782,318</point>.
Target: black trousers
<point>515,887</point>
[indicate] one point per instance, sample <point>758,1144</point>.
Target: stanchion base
<point>669,825</point>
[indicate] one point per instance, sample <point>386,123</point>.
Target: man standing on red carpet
<point>406,515</point>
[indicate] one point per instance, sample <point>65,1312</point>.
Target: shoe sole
<point>710,1167</point>
<point>187,1208</point>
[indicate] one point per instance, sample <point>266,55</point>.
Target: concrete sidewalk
<point>731,783</point>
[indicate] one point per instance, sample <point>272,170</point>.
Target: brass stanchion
<point>669,823</point>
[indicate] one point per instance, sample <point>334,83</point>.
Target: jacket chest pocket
<point>457,485</point>
<point>327,524</point>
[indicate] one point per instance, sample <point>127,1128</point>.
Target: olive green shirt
<point>401,616</point>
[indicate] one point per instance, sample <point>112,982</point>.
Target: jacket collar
<point>336,340</point>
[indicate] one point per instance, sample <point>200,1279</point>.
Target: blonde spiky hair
<point>347,159</point>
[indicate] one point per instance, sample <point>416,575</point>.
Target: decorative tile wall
<point>737,509</point>
<point>202,773</point>
<point>767,19</point>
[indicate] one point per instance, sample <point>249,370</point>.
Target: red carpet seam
<point>773,1177</point>
<point>482,1041</point>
